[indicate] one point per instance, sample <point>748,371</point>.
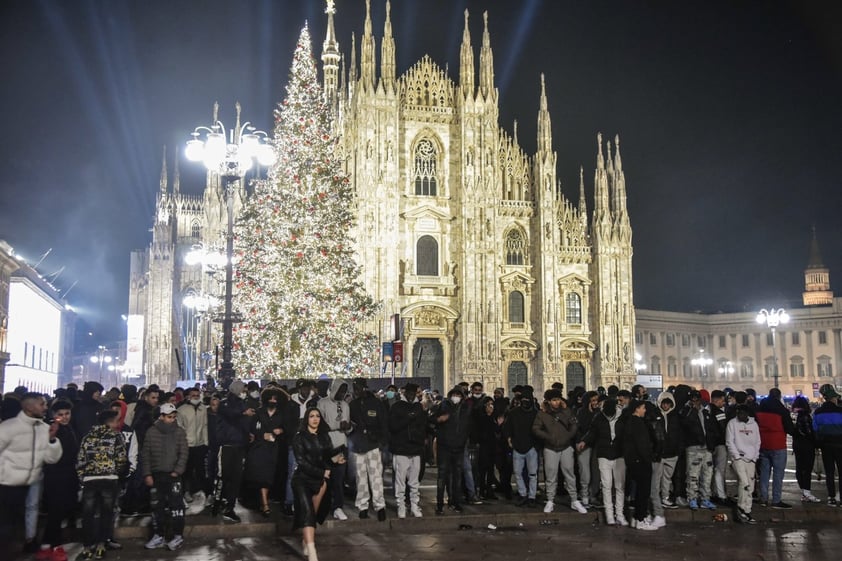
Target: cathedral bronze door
<point>518,374</point>
<point>575,375</point>
<point>428,360</point>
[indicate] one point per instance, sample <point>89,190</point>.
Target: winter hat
<point>775,393</point>
<point>410,389</point>
<point>552,394</point>
<point>828,391</point>
<point>236,387</point>
<point>705,395</point>
<point>91,387</point>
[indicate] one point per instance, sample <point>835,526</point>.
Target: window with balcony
<point>573,303</point>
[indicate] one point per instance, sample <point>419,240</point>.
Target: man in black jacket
<point>407,433</point>
<point>232,432</point>
<point>453,426</point>
<point>699,432</point>
<point>86,411</point>
<point>517,430</point>
<point>369,424</point>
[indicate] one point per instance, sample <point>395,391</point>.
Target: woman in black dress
<point>314,458</point>
<point>267,431</point>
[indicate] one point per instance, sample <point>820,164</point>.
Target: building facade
<point>806,352</point>
<point>496,275</point>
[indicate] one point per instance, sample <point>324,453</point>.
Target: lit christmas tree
<point>297,281</point>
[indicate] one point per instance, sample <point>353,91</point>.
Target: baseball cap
<point>167,408</point>
<point>828,391</point>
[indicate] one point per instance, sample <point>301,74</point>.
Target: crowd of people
<point>97,455</point>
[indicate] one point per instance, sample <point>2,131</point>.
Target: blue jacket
<point>827,424</point>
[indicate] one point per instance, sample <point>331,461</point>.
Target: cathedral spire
<point>466,61</point>
<point>330,56</point>
<point>600,161</point>
<point>387,52</point>
<point>545,134</point>
<point>367,55</point>
<point>618,163</point>
<point>609,160</point>
<point>486,62</point>
<point>352,71</point>
<point>163,183</point>
<point>817,290</point>
<point>514,137</point>
<point>583,204</point>
<point>237,126</point>
<point>602,210</point>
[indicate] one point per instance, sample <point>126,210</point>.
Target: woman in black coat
<point>313,456</point>
<point>638,454</point>
<point>267,431</point>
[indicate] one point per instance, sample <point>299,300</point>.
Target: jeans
<point>655,489</point>
<point>231,463</point>
<point>832,462</point>
<point>33,500</point>
<point>468,473</point>
<point>700,473</point>
<point>450,464</point>
<point>641,474</point>
<point>531,461</point>
<point>98,497</point>
<point>720,466</point>
<point>288,498</point>
<point>774,460</point>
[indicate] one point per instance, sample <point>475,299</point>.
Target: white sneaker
<point>548,508</point>
<point>621,521</point>
<point>156,542</point>
<point>199,497</point>
<point>578,507</point>
<point>209,500</point>
<point>645,525</point>
<point>609,520</point>
<point>809,497</point>
<point>175,542</point>
<point>339,514</point>
<point>658,522</point>
<point>416,511</point>
<point>188,497</point>
<point>401,511</point>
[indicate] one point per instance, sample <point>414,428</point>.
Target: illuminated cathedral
<point>495,274</point>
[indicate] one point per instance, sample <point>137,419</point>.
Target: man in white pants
<point>742,437</point>
<point>408,431</point>
<point>557,426</point>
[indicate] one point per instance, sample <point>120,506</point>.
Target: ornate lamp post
<point>726,368</point>
<point>702,362</point>
<point>230,154</point>
<point>772,319</point>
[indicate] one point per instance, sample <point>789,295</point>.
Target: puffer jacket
<point>194,420</point>
<point>556,428</point>
<point>312,454</point>
<point>164,450</point>
<point>606,435</point>
<point>24,448</point>
<point>407,428</point>
<point>102,455</point>
<point>775,423</point>
<point>827,424</point>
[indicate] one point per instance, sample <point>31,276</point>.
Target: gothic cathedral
<point>495,275</point>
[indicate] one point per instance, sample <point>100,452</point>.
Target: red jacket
<point>775,423</point>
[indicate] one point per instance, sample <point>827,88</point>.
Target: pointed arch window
<point>515,248</point>
<point>516,307</point>
<point>427,256</point>
<point>425,168</point>
<point>573,306</point>
<point>195,230</point>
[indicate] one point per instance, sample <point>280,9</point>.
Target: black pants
<point>640,474</point>
<point>167,502</point>
<point>485,470</point>
<point>337,485</point>
<point>98,498</point>
<point>231,463</point>
<point>450,475</point>
<point>60,501</point>
<point>679,476</point>
<point>196,475</point>
<point>832,460</point>
<point>805,455</point>
<point>12,503</point>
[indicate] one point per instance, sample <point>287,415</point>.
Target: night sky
<point>728,112</point>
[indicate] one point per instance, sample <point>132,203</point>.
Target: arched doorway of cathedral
<point>428,360</point>
<point>518,374</point>
<point>575,375</point>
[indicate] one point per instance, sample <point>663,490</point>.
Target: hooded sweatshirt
<point>743,439</point>
<point>334,411</point>
<point>606,434</point>
<point>668,428</point>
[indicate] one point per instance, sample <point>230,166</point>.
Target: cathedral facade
<point>495,274</point>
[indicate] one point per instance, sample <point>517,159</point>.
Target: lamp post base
<point>226,374</point>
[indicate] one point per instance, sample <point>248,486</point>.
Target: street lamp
<point>702,362</point>
<point>101,358</point>
<point>639,365</point>
<point>726,368</point>
<point>772,319</point>
<point>230,154</point>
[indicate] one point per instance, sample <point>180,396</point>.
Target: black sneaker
<point>231,516</point>
<point>111,544</point>
<point>521,501</point>
<point>288,510</point>
<point>832,502</point>
<point>99,553</point>
<point>750,519</point>
<point>439,510</point>
<point>381,515</point>
<point>456,508</point>
<point>530,503</point>
<point>780,505</point>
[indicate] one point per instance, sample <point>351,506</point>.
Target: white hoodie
<point>743,439</point>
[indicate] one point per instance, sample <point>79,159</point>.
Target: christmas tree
<point>297,281</point>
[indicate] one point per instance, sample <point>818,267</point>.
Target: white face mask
<point>456,399</point>
<point>195,401</point>
<point>255,394</point>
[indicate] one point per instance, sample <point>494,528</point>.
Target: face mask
<point>390,395</point>
<point>456,399</point>
<point>195,401</point>
<point>272,404</point>
<point>477,395</point>
<point>255,395</point>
